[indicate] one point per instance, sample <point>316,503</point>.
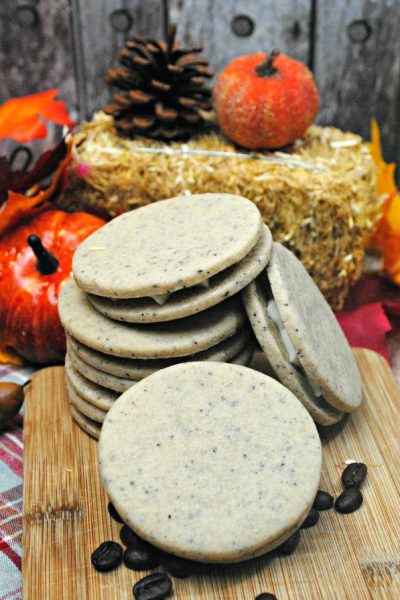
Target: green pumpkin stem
<point>266,68</point>
<point>46,262</point>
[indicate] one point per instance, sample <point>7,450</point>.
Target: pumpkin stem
<point>46,262</point>
<point>267,69</point>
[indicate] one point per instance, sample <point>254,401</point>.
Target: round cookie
<point>167,245</point>
<point>97,395</point>
<point>84,407</point>
<point>255,300</point>
<point>245,355</point>
<point>120,384</point>
<point>194,453</point>
<point>130,368</point>
<point>164,340</point>
<point>86,424</point>
<point>111,382</point>
<point>314,331</point>
<point>192,300</point>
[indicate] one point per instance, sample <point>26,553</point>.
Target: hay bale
<point>318,198</point>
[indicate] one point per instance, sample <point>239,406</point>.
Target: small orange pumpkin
<point>265,101</point>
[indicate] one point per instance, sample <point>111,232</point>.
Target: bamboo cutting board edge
<point>345,556</point>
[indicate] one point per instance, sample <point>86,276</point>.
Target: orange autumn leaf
<point>22,118</point>
<point>386,238</point>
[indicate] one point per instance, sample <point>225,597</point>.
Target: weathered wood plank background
<point>352,46</point>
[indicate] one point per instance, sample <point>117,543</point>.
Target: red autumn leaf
<point>22,118</point>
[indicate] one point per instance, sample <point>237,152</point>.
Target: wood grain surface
<point>351,45</point>
<point>229,29</point>
<point>352,557</point>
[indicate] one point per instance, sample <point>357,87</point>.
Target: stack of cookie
<point>157,286</point>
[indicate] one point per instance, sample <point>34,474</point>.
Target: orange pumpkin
<point>31,276</point>
<point>265,101</point>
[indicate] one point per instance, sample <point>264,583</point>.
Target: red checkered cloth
<point>11,494</point>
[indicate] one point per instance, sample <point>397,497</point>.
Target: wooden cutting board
<point>353,556</point>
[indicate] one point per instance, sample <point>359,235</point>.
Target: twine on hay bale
<point>318,198</point>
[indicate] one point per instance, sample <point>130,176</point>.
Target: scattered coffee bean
<point>354,475</point>
<point>290,544</point>
<point>129,537</point>
<point>311,519</point>
<point>266,596</point>
<point>323,501</point>
<point>141,557</point>
<point>349,500</point>
<point>107,556</point>
<point>153,587</point>
<point>113,513</point>
<point>178,567</point>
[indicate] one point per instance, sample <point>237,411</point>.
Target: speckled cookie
<point>166,246</point>
<point>195,299</point>
<point>255,300</point>
<point>86,424</point>
<point>161,340</point>
<point>130,368</point>
<point>96,394</point>
<point>196,473</point>
<point>322,349</point>
<point>111,382</point>
<point>121,384</point>
<point>84,407</point>
<point>245,355</point>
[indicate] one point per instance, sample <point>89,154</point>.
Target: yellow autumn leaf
<point>386,238</point>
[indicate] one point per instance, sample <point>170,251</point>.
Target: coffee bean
<point>323,501</point>
<point>354,475</point>
<point>113,513</point>
<point>141,557</point>
<point>311,519</point>
<point>107,556</point>
<point>349,500</point>
<point>129,537</point>
<point>153,587</point>
<point>266,596</point>
<point>178,567</point>
<point>290,544</point>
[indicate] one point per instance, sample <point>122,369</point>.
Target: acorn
<point>11,399</point>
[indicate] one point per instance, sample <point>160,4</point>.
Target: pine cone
<point>162,93</point>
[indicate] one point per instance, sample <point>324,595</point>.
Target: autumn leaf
<point>386,238</point>
<point>19,206</point>
<point>22,119</point>
<point>21,180</point>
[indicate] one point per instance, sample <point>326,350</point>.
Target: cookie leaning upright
<point>167,246</point>
<point>314,341</point>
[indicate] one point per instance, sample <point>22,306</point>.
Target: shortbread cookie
<point>210,461</point>
<point>111,382</point>
<point>161,340</point>
<point>320,346</point>
<point>255,300</point>
<point>121,384</point>
<point>84,407</point>
<point>96,394</point>
<point>166,246</point>
<point>130,368</point>
<point>195,299</point>
<point>245,355</point>
<point>87,425</point>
